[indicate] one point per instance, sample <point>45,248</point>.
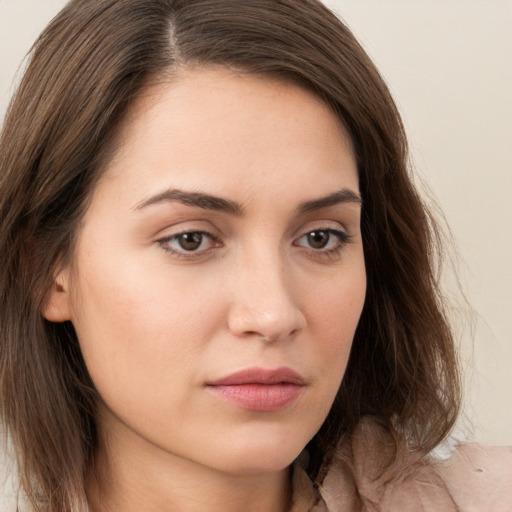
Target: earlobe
<point>57,307</point>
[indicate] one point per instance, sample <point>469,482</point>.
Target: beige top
<point>476,478</point>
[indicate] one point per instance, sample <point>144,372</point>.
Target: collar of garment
<point>367,474</point>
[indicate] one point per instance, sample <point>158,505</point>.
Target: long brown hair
<point>85,70</point>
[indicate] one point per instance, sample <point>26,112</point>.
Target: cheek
<point>334,310</point>
<point>335,306</point>
<point>139,331</point>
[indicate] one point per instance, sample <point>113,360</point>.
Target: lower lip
<point>259,397</point>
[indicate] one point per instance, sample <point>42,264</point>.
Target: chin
<point>264,452</point>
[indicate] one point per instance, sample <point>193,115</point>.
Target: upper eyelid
<point>213,238</point>
<point>174,236</point>
<point>342,235</point>
<point>195,226</point>
<point>319,225</point>
<point>187,231</point>
<point>214,232</point>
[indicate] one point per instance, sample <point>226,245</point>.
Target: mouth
<point>259,389</point>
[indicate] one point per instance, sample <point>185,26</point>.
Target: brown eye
<point>324,241</point>
<point>318,239</point>
<point>190,241</point>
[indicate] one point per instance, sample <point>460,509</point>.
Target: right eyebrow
<point>197,199</point>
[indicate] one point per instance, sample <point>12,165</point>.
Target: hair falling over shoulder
<point>85,70</point>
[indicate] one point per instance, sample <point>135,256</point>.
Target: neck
<point>126,477</point>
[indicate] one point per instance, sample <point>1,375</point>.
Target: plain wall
<point>449,65</point>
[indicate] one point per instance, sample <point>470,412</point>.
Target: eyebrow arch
<point>344,195</point>
<point>198,199</point>
<point>209,202</point>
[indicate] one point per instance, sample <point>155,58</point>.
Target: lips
<point>259,389</point>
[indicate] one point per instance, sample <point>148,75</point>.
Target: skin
<point>157,323</point>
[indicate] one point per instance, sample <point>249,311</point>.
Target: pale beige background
<point>449,65</point>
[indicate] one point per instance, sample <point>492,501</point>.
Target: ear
<point>57,306</point>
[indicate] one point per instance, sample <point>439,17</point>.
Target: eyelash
<point>183,253</point>
<point>342,237</point>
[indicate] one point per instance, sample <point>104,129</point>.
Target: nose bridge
<point>263,301</point>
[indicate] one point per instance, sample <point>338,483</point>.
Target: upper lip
<point>260,376</point>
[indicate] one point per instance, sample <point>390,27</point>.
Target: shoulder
<point>362,477</point>
<point>479,477</point>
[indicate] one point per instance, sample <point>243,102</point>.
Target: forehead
<point>222,130</point>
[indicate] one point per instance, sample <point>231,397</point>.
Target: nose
<point>263,303</point>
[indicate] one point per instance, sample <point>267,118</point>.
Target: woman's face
<point>219,275</point>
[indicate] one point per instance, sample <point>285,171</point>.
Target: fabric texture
<point>476,478</point>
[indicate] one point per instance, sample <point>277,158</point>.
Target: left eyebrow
<point>344,195</point>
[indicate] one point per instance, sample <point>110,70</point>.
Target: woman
<point>219,287</point>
